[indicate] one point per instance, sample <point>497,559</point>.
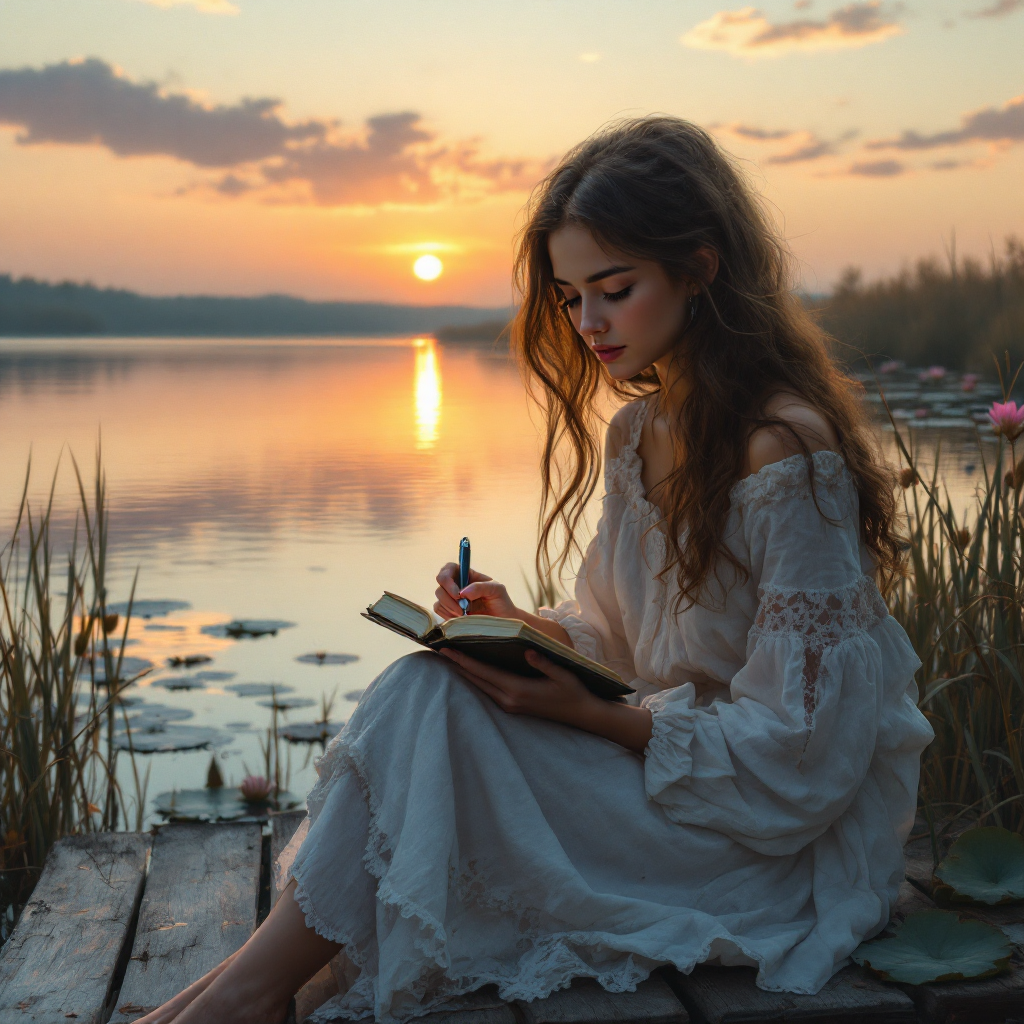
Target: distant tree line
<point>957,314</point>
<point>37,308</point>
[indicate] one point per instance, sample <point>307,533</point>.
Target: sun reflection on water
<point>427,393</point>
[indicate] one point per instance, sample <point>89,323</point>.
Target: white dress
<point>451,845</point>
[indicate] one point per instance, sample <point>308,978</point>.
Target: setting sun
<point>428,268</point>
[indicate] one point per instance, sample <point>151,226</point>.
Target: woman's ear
<point>707,264</point>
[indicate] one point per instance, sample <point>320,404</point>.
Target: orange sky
<point>317,147</point>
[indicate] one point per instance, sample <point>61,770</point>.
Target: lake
<point>296,480</point>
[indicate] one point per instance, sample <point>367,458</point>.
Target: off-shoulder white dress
<point>451,845</point>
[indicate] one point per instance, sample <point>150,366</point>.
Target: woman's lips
<point>609,353</point>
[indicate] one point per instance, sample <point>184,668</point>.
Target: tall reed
<point>58,759</point>
<point>962,604</point>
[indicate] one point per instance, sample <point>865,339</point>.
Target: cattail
<point>214,779</point>
<point>908,477</point>
<point>110,622</point>
<point>81,644</point>
<point>1015,477</point>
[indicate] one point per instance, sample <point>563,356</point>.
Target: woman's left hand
<point>557,695</point>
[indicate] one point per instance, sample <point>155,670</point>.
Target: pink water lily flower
<point>255,788</point>
<point>932,375</point>
<point>969,381</point>
<point>890,366</point>
<point>1007,419</point>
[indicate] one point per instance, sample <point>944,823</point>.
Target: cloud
<point>88,103</point>
<point>805,145</point>
<point>395,159</point>
<point>999,9</point>
<point>748,32</point>
<point>876,168</point>
<point>1002,125</point>
<point>203,6</point>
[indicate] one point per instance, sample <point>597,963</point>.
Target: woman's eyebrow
<point>599,276</point>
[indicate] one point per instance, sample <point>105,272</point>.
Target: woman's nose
<point>591,321</point>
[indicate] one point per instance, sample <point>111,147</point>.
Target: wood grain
<point>585,1002</point>
<point>59,962</point>
<point>199,907</point>
<point>728,995</point>
<point>282,828</point>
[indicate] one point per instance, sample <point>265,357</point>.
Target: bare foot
<point>172,1008</point>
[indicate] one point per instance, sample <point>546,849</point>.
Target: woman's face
<point>628,311</point>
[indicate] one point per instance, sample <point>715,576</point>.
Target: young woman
<point>750,804</point>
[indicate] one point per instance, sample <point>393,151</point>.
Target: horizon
<point>244,147</point>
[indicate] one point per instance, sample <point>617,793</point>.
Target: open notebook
<point>500,642</point>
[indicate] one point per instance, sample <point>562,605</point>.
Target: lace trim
<point>820,619</point>
<point>547,960</point>
<point>787,478</point>
<point>622,473</point>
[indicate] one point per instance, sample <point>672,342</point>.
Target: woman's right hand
<point>485,596</point>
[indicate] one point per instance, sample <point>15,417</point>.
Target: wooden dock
<point>120,922</point>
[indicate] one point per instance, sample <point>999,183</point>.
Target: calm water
<point>296,480</point>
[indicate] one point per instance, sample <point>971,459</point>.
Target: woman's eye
<point>620,295</point>
<point>571,303</point>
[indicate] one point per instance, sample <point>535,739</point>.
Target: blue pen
<point>464,573</point>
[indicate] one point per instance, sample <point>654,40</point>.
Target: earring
<point>693,308</point>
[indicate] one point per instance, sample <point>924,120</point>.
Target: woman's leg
<point>254,985</point>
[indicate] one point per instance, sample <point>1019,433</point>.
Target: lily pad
<point>182,683</point>
<point>354,695</point>
<point>156,717</point>
<point>985,865</point>
<point>149,609</point>
<point>176,737</point>
<point>160,627</point>
<point>209,675</point>
<point>259,689</point>
<point>323,658</point>
<point>188,660</point>
<point>935,945</point>
<point>309,732</point>
<point>287,703</point>
<point>218,805</point>
<point>239,628</point>
<point>130,668</point>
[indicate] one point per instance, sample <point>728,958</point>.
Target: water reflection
<point>427,393</point>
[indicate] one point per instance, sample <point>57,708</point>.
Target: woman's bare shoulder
<point>774,443</point>
<point>619,428</point>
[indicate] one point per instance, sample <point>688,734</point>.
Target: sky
<point>319,147</point>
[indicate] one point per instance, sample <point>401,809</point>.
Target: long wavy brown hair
<point>661,189</point>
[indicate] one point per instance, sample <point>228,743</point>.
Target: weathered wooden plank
<point>199,907</point>
<point>920,863</point>
<point>61,959</point>
<point>728,995</point>
<point>481,1007</point>
<point>585,1002</point>
<point>282,828</point>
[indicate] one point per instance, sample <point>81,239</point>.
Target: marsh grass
<point>58,761</point>
<point>962,604</point>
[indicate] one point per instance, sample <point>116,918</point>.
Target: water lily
<point>890,366</point>
<point>255,788</point>
<point>932,375</point>
<point>1007,419</point>
<point>969,381</point>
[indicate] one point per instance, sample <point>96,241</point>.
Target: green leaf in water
<point>985,865</point>
<point>935,945</point>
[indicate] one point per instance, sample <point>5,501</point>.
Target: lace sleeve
<point>818,620</point>
<point>777,766</point>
